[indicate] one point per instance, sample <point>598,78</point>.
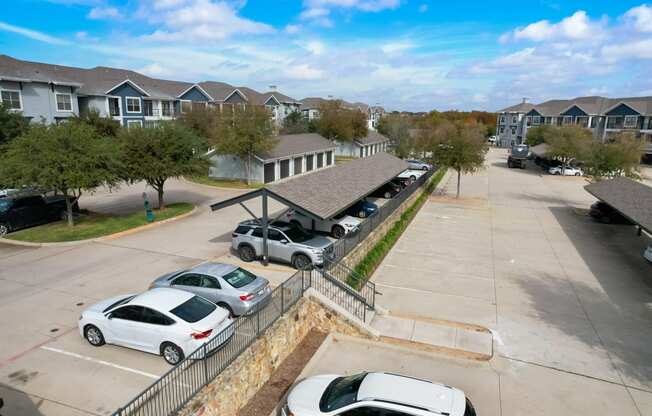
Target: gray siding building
<point>365,146</point>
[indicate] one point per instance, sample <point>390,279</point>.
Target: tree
<point>68,158</point>
<point>200,121</point>
<point>295,123</point>
<point>12,124</point>
<point>460,146</point>
<point>619,156</point>
<point>339,123</point>
<point>104,126</point>
<point>244,132</point>
<point>156,154</point>
<point>567,143</point>
<point>536,135</point>
<point>397,129</point>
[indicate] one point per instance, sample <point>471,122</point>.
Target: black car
<point>28,211</point>
<point>387,191</point>
<point>606,214</point>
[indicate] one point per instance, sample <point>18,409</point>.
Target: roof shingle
<point>297,144</point>
<point>631,198</point>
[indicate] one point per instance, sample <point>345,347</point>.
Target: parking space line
<point>101,362</point>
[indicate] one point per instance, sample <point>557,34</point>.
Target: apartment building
<point>603,116</point>
<point>51,93</point>
<point>310,110</point>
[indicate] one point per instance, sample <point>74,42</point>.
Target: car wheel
<point>246,253</point>
<point>227,307</point>
<point>301,262</point>
<point>578,174</point>
<point>424,168</point>
<point>413,178</point>
<point>387,195</point>
<point>362,214</point>
<point>171,353</point>
<point>4,229</point>
<point>338,232</point>
<point>557,173</point>
<point>93,335</point>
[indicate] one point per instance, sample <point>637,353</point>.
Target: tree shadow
<point>15,402</point>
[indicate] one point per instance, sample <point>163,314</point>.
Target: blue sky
<point>403,54</point>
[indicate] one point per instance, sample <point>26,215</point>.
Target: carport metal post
<point>265,248</point>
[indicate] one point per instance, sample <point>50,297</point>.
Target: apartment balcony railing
<point>157,112</point>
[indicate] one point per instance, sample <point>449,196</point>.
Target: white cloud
<point>576,27</point>
<point>33,34</point>
<point>640,49</point>
<point>315,47</point>
<point>318,11</point>
<point>198,20</point>
<point>423,8</point>
<point>99,13</point>
<point>641,17</point>
<point>396,47</point>
<point>292,29</point>
<point>304,72</point>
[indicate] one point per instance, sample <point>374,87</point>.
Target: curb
<point>103,238</point>
<point>453,352</point>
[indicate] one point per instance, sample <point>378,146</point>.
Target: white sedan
<point>337,227</point>
<point>168,322</point>
<point>567,171</point>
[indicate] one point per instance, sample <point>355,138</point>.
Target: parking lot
<point>563,294</point>
<point>45,366</point>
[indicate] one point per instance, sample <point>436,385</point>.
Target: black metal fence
<point>365,289</point>
<point>345,245</point>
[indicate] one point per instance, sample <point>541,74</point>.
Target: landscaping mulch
<point>268,397</point>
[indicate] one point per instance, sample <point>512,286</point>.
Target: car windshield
<point>194,309</point>
<point>297,235</point>
<point>239,277</point>
<point>118,303</point>
<point>342,391</point>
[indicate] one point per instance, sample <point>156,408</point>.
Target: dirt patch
<point>266,399</point>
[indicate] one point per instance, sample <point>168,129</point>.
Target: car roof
<point>161,298</point>
<point>407,391</point>
<point>213,269</point>
<point>279,225</point>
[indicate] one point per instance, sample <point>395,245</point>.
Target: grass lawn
<point>93,225</point>
<point>339,160</point>
<point>223,183</point>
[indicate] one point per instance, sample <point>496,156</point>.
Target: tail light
<point>201,335</point>
<point>247,297</point>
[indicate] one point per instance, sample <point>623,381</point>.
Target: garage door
<point>309,162</point>
<point>269,172</point>
<point>297,165</point>
<point>320,160</point>
<point>285,168</point>
<point>329,158</point>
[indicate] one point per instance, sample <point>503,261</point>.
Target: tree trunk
<point>161,203</point>
<point>248,168</point>
<point>459,178</point>
<point>69,211</point>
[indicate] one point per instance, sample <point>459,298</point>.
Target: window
<point>502,130</point>
<point>166,108</point>
<point>194,309</point>
<point>11,100</point>
<point>128,313</point>
<point>240,277</point>
<point>133,105</point>
<point>320,160</point>
<point>188,280</point>
<point>329,158</point>
<point>210,283</point>
<point>118,303</point>
<point>186,106</point>
<point>257,233</point>
<point>631,122</point>
<point>114,107</point>
<point>514,119</point>
<point>536,120</point>
<point>502,119</point>
<point>242,229</point>
<point>513,131</point>
<point>134,123</point>
<point>149,108</point>
<point>64,102</point>
<point>567,120</point>
<point>153,317</point>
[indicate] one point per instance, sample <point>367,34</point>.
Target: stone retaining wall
<point>233,389</point>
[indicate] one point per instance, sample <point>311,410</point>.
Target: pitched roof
<point>311,103</point>
<point>630,198</point>
<point>592,105</point>
<point>297,144</point>
<point>372,137</point>
<point>340,186</point>
<point>518,108</point>
<point>12,69</point>
<point>220,91</point>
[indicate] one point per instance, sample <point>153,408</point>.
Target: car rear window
<point>239,278</point>
<point>342,391</point>
<point>118,303</point>
<point>194,309</point>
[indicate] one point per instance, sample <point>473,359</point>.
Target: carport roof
<point>540,149</point>
<point>330,191</point>
<point>630,198</point>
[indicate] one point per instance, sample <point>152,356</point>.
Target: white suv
<point>374,394</point>
<point>337,227</point>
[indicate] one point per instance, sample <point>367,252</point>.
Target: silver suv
<point>286,242</point>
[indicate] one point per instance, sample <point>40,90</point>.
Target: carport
<point>323,194</point>
<point>630,198</point>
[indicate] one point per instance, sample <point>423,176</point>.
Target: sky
<point>413,55</point>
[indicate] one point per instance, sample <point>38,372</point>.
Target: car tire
<point>387,195</point>
<point>4,229</point>
<point>338,232</point>
<point>94,336</point>
<point>362,214</point>
<point>171,353</point>
<point>227,307</point>
<point>301,262</point>
<point>413,178</point>
<point>424,168</point>
<point>246,253</point>
<point>578,174</point>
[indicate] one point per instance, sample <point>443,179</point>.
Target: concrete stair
<point>459,340</point>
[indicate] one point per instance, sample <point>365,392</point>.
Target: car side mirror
<point>284,241</point>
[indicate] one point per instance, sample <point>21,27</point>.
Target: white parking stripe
<point>106,363</point>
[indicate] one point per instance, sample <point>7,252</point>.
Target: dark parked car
<point>387,191</point>
<point>28,211</point>
<point>362,209</point>
<point>606,214</point>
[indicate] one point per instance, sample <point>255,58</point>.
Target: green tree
<point>339,123</point>
<point>12,124</point>
<point>536,135</point>
<point>156,154</point>
<point>460,146</point>
<point>104,126</point>
<point>200,120</point>
<point>68,158</point>
<point>567,143</point>
<point>397,129</point>
<point>295,123</point>
<point>244,132</point>
<point>619,156</point>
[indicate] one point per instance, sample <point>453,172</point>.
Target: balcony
<point>157,112</point>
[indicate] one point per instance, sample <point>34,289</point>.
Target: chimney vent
<point>525,100</point>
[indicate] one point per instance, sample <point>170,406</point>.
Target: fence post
<point>258,322</point>
<point>282,298</point>
<point>205,359</point>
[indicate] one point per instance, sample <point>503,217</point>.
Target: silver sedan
<point>236,289</point>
